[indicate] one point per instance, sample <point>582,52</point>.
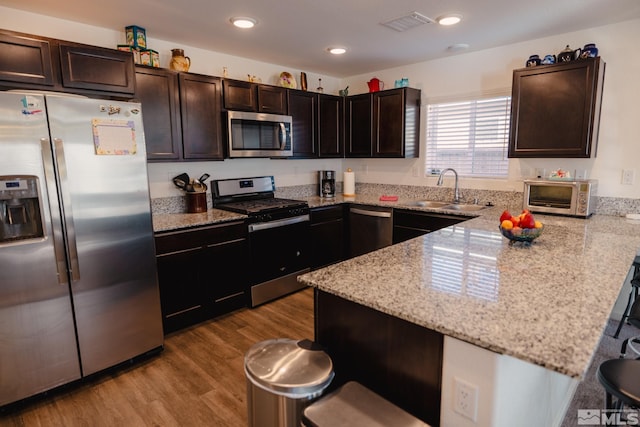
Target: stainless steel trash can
<point>284,376</point>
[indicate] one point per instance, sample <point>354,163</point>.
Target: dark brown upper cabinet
<point>157,90</point>
<point>383,124</point>
<point>26,60</point>
<point>96,68</point>
<point>247,96</point>
<point>303,108</point>
<point>182,114</point>
<point>330,126</point>
<point>358,120</point>
<point>41,63</point>
<point>555,109</point>
<point>396,123</point>
<point>318,124</point>
<point>201,114</point>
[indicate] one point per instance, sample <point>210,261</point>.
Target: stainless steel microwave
<point>562,197</point>
<point>259,134</point>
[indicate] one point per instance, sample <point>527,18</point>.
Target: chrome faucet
<point>456,191</point>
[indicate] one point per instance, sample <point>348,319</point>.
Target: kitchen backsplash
<point>510,199</point>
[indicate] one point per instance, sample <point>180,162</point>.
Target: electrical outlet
<point>465,399</point>
<point>540,173</point>
<point>628,176</point>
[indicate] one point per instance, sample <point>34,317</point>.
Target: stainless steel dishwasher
<point>370,228</point>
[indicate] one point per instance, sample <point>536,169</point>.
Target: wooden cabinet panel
<point>396,123</point>
<point>409,224</point>
<point>396,359</point>
<point>200,109</point>
<point>327,232</point>
<point>358,126</point>
<point>42,63</point>
<point>96,68</point>
<point>239,95</point>
<point>157,90</point>
<point>330,126</point>
<point>272,99</point>
<point>182,115</point>
<point>303,108</point>
<point>26,60</point>
<point>202,273</point>
<point>247,96</point>
<point>181,293</point>
<point>555,109</point>
<point>383,124</point>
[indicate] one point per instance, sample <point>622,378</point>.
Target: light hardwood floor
<point>198,380</point>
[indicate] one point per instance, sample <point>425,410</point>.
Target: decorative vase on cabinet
<point>179,62</point>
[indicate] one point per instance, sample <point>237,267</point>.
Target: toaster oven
<point>562,197</point>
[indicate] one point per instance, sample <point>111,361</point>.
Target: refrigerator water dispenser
<point>20,215</point>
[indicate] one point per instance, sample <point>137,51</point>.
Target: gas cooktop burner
<point>255,197</point>
<point>259,206</point>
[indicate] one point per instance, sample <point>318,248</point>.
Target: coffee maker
<point>327,183</point>
<point>20,214</point>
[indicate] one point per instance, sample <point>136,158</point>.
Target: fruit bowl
<point>526,235</point>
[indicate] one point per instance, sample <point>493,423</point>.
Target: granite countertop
<point>547,303</point>
<point>177,221</point>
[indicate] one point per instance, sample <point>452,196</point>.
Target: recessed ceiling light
<point>450,19</point>
<point>337,50</point>
<point>243,22</point>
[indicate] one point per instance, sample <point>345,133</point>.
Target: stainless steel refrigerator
<point>78,281</point>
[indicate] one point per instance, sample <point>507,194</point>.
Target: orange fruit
<point>506,224</point>
<point>538,224</point>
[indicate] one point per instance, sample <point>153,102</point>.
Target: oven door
<point>279,253</point>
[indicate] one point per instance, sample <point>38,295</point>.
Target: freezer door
<point>37,339</point>
<point>100,152</point>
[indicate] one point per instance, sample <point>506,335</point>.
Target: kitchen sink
<point>429,204</point>
<point>464,207</point>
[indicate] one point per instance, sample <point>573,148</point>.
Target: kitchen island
<point>519,323</point>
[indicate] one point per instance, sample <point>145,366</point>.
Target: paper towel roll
<point>349,183</point>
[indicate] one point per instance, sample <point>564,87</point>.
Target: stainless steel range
<point>278,234</point>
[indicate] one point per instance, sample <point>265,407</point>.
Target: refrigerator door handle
<point>54,207</point>
<point>72,248</point>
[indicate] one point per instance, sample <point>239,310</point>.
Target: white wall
<point>491,70</point>
<point>470,73</point>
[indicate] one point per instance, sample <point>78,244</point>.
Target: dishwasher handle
<point>378,214</point>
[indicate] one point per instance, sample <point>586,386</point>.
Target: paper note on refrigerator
<point>114,137</point>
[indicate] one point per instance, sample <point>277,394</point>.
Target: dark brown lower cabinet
<point>396,359</point>
<point>408,224</point>
<point>327,232</point>
<point>202,273</point>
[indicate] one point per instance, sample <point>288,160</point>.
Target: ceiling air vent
<point>408,21</point>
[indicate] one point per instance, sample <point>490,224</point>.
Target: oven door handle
<point>278,223</point>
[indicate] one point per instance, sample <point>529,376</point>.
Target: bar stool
<point>633,295</point>
<point>632,343</point>
<point>620,379</point>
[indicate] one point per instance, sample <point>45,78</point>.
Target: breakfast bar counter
<point>545,305</point>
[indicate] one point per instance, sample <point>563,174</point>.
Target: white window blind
<point>469,136</point>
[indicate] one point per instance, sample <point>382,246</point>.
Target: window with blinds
<point>470,136</point>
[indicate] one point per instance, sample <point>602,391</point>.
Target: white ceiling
<point>296,33</point>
